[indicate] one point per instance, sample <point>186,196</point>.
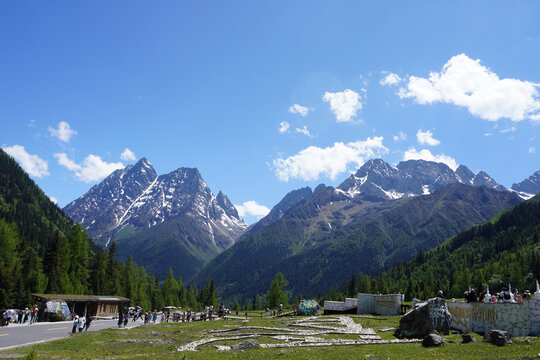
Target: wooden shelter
<point>93,305</point>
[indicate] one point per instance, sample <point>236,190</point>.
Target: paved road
<point>18,334</point>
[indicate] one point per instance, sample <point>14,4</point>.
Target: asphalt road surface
<point>24,334</point>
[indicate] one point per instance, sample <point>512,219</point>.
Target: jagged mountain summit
<point>528,187</point>
<point>378,179</point>
<point>135,203</point>
<point>137,196</point>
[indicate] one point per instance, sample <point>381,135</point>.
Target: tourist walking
<point>88,322</point>
<point>82,322</point>
<point>75,323</point>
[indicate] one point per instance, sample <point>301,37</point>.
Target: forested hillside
<point>320,242</point>
<point>42,251</point>
<point>504,250</point>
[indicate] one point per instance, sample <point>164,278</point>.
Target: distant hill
<point>504,250</point>
<point>330,235</point>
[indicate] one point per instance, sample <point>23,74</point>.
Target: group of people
<point>136,313</point>
<point>505,296</point>
<point>81,322</point>
<point>21,316</point>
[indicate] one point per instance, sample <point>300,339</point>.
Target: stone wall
<point>534,305</point>
<point>387,305</point>
<point>340,306</point>
<point>482,317</point>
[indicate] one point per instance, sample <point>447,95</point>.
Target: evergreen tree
<point>9,263</point>
<point>170,290</point>
<point>182,296</point>
<point>277,295</point>
<point>79,259</point>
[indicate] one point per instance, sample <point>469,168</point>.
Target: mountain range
<point>372,220</point>
<point>171,220</point>
<point>378,216</point>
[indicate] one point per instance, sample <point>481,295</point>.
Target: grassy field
<point>160,341</point>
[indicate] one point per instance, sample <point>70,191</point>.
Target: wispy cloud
<point>400,136</point>
<point>299,109</point>
<point>304,131</point>
<point>63,131</point>
<point>284,127</point>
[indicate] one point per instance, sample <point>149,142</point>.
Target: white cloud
<point>532,150</point>
<point>507,130</point>
<point>284,127</point>
<point>313,162</point>
<point>92,168</point>
<point>128,155</point>
<point>53,199</point>
<point>389,79</point>
<point>299,109</point>
<point>344,104</point>
<point>66,162</point>
<point>304,131</point>
<point>32,164</point>
<point>424,154</point>
<point>252,208</point>
<point>64,132</point>
<point>426,138</point>
<point>465,82</point>
<point>400,136</point>
<point>488,134</point>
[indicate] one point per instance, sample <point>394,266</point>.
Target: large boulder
<point>429,316</point>
<point>498,337</point>
<point>432,340</point>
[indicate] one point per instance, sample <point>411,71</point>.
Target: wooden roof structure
<point>80,298</point>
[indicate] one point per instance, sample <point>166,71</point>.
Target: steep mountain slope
<point>167,220</point>
<point>25,204</point>
<point>289,201</point>
<point>336,233</point>
<point>504,250</point>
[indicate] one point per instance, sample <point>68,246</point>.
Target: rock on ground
<point>244,345</point>
<point>467,338</point>
<point>498,337</point>
<point>432,340</point>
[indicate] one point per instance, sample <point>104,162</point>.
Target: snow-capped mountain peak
<point>379,179</point>
<point>138,197</point>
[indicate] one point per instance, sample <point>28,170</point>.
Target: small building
<point>93,305</point>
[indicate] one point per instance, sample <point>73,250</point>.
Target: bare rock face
<point>427,317</point>
<point>432,340</point>
<point>498,337</point>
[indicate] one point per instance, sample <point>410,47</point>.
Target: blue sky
<point>266,97</point>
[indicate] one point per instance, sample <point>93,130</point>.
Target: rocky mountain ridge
<point>138,197</point>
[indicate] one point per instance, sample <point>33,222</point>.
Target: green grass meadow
<point>160,341</point>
